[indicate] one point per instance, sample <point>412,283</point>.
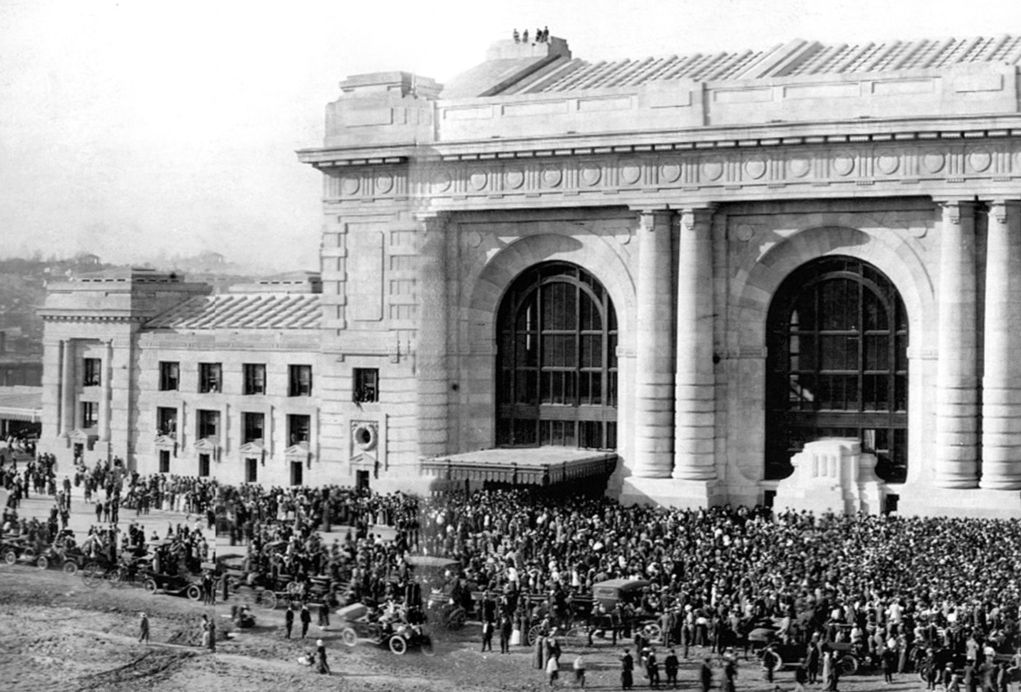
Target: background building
<point>688,271</point>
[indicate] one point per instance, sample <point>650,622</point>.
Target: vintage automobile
<point>18,549</point>
<point>608,594</point>
<point>188,585</point>
<point>441,608</point>
<point>69,560</point>
<point>398,635</point>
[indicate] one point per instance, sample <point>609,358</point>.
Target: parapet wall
<point>417,114</point>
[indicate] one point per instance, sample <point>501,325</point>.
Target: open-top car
<point>18,549</point>
<point>188,585</point>
<point>393,631</point>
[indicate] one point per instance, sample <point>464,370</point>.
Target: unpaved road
<point>57,634</point>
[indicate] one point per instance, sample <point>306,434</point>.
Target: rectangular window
<point>208,423</point>
<point>166,421</point>
<point>90,414</point>
<point>91,372</point>
<point>255,378</point>
<point>251,470</point>
<point>164,461</point>
<point>203,465</point>
<point>210,378</point>
<point>298,428</point>
<point>170,376</point>
<point>252,426</point>
<point>300,380</point>
<point>366,385</point>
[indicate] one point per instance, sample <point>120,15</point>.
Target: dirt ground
<point>58,634</point>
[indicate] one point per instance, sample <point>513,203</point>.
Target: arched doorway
<point>556,362</point>
<point>836,365</point>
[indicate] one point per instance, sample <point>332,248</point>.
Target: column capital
<point>1000,209</point>
<point>693,216</point>
<point>953,209</point>
<point>650,218</point>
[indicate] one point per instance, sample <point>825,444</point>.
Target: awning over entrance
<point>21,404</point>
<point>532,466</point>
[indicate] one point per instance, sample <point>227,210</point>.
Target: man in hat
<point>705,675</point>
<point>652,668</point>
<point>143,628</point>
<point>671,666</point>
<point>306,619</point>
<point>627,666</point>
<point>288,621</point>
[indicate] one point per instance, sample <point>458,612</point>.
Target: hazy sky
<point>135,128</point>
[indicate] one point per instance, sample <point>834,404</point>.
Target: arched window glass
<point>556,361</point>
<point>837,364</point>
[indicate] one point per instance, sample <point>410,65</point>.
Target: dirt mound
<point>143,671</point>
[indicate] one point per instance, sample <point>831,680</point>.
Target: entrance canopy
<point>21,404</point>
<point>522,466</point>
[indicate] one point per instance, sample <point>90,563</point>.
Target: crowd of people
<point>889,586</point>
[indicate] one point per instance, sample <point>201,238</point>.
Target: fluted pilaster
<point>68,415</point>
<point>104,392</point>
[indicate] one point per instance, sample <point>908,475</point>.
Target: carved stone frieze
<point>916,168</point>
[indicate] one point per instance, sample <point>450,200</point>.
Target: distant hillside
<point>23,290</point>
<point>23,286</point>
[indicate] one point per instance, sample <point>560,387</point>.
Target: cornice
<point>701,138</point>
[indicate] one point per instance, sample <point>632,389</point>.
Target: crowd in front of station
<point>907,592</point>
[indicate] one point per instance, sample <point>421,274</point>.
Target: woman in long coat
<point>627,666</point>
<point>539,653</point>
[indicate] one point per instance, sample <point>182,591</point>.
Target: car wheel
<point>848,665</point>
<point>43,562</point>
<point>150,586</point>
<point>398,644</point>
<point>456,618</point>
<point>652,632</point>
<point>117,577</point>
<point>91,575</point>
<point>349,636</point>
<point>268,600</point>
<point>533,634</point>
<point>193,592</point>
<point>70,567</point>
<point>10,557</point>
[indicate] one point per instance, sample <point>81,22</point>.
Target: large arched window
<point>556,361</point>
<point>837,364</point>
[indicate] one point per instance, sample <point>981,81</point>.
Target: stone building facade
<point>703,266</point>
<point>143,366</point>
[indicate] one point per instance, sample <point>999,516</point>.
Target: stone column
<point>432,376</point>
<point>655,357</point>
<point>695,405</point>
<point>957,367</point>
<point>104,392</point>
<point>1001,381</point>
<point>67,387</point>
